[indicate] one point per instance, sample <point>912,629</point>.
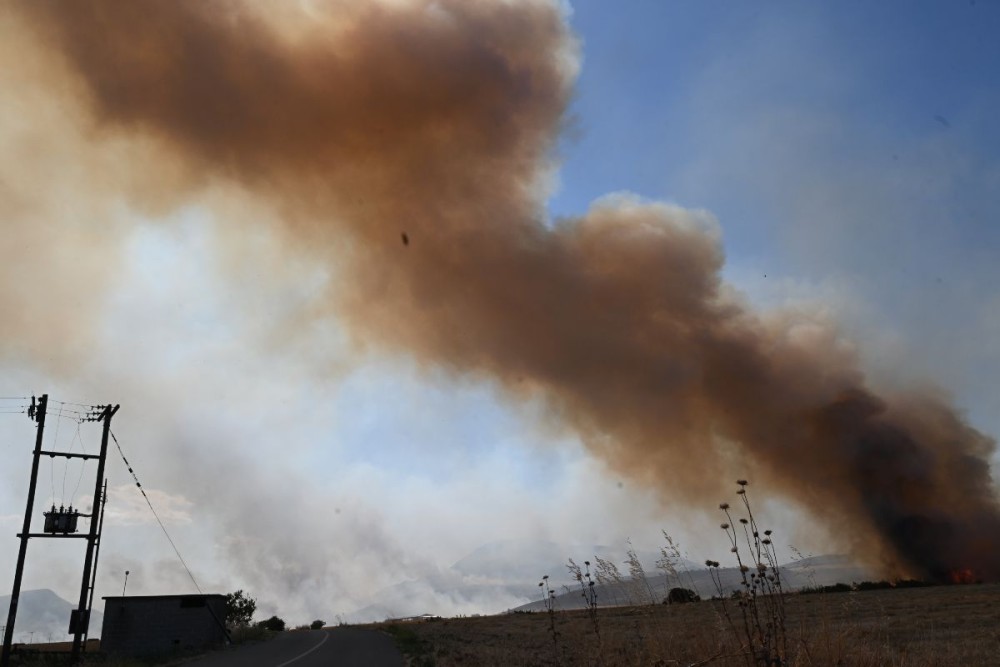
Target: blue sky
<point>670,95</point>
<point>851,155</point>
<point>845,147</point>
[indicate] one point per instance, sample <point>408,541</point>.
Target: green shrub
<point>274,624</point>
<point>239,609</point>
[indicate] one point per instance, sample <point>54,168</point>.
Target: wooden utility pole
<point>8,636</point>
<point>80,621</point>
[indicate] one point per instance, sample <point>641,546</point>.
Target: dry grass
<point>942,625</point>
<point>93,645</point>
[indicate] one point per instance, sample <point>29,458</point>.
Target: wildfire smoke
<point>435,122</point>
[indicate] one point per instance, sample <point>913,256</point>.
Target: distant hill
<point>528,561</point>
<point>504,575</point>
<point>45,614</point>
<point>492,578</point>
<point>807,572</point>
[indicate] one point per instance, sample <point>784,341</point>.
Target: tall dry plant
<point>761,597</point>
<point>671,563</point>
<point>549,600</point>
<point>637,577</point>
<point>610,577</point>
<point>588,591</point>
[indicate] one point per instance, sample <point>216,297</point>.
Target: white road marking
<point>326,635</point>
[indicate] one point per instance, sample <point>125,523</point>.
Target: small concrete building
<point>147,624</point>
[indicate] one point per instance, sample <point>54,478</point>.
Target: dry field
<point>915,627</point>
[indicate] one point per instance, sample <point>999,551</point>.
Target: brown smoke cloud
<point>361,123</point>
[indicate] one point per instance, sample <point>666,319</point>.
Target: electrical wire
<point>91,413</point>
<point>157,516</point>
<point>72,445</point>
<point>79,405</point>
<point>55,447</point>
<point>74,415</point>
<point>84,450</point>
<point>52,480</point>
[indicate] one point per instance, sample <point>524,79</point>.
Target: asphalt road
<point>336,647</point>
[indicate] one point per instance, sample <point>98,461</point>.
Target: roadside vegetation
<point>419,651</point>
<point>758,622</point>
<point>908,627</point>
<point>240,609</point>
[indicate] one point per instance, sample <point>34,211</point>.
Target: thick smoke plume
<point>409,145</point>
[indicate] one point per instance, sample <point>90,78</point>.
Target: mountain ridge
<point>44,616</point>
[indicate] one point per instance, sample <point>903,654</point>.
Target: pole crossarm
<point>69,455</point>
<point>82,536</point>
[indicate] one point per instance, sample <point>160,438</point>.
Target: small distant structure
<point>414,619</point>
<point>151,624</point>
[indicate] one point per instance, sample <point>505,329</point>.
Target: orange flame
<point>962,576</point>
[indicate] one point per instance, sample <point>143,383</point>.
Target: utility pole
<point>38,412</point>
<point>62,523</point>
<point>97,552</point>
<point>82,616</point>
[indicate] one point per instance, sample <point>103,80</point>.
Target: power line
<point>52,479</point>
<point>79,405</point>
<point>75,416</point>
<point>84,450</point>
<point>90,412</point>
<point>157,516</point>
<point>88,408</point>
<point>52,464</point>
